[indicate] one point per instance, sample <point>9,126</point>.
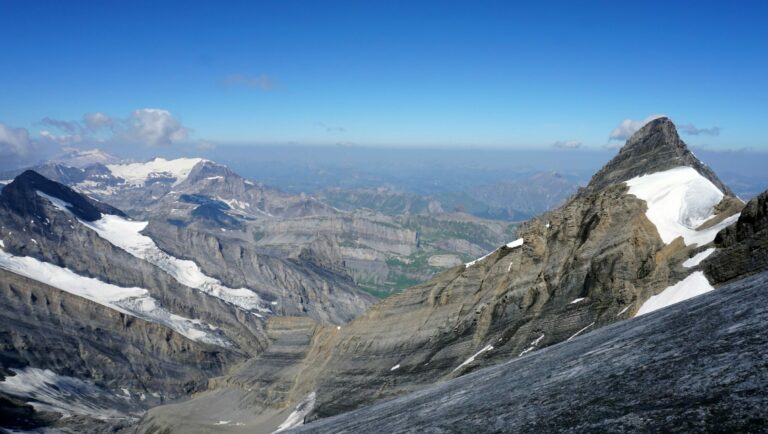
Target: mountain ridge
<point>594,261</point>
<point>654,147</point>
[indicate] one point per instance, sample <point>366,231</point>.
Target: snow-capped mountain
<point>630,243</point>
<point>201,196</point>
<point>87,295</point>
<point>179,280</point>
<point>81,158</point>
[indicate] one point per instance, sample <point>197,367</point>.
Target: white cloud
<point>14,141</point>
<point>155,127</point>
<point>627,127</point>
<point>63,139</point>
<point>96,120</point>
<point>331,128</point>
<point>70,127</point>
<point>148,126</point>
<point>567,144</point>
<point>692,130</point>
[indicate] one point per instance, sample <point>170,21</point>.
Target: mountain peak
<point>22,195</point>
<point>653,148</point>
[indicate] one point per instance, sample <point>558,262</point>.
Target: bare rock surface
<point>743,247</point>
<point>698,366</point>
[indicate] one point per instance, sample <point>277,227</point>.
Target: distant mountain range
<point>177,296</point>
<point>384,248</point>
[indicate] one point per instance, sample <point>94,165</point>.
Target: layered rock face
<point>307,285</point>
<point>742,249</point>
<point>592,262</point>
<point>121,315</point>
<point>695,367</point>
<point>203,212</point>
<point>381,252</point>
<point>47,328</point>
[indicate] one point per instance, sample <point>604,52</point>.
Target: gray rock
<point>742,247</point>
<point>655,147</point>
<point>698,366</point>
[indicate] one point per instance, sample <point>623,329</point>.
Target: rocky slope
<point>742,249</point>
<point>83,310</point>
<point>189,217</point>
<point>698,366</point>
<point>382,252</point>
<point>609,252</point>
<point>101,320</point>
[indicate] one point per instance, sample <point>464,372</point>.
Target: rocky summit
<point>198,301</point>
<point>632,242</point>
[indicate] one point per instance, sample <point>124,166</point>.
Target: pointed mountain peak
<point>653,148</point>
<point>23,196</point>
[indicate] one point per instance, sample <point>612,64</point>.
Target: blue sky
<point>382,73</point>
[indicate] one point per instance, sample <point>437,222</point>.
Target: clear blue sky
<point>461,74</point>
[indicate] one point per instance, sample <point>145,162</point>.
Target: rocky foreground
<point>698,366</point>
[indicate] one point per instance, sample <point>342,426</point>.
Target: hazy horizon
<point>401,75</point>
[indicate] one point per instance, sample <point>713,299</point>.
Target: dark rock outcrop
<point>21,196</point>
<point>742,247</point>
<point>655,147</point>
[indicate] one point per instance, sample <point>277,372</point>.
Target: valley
<point>191,299</point>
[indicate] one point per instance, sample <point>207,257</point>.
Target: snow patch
<point>234,203</point>
<point>580,332</point>
<point>679,200</point>
<point>131,301</point>
<point>47,391</point>
<point>532,346</point>
<point>56,202</point>
<point>691,286</point>
<point>624,310</point>
<point>126,234</point>
<point>696,260</point>
<point>395,368</point>
<point>577,300</point>
<point>471,263</point>
<point>473,356</point>
<point>511,245</point>
<point>137,174</point>
<point>296,418</point>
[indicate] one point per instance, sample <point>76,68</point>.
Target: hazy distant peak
<point>139,173</point>
<point>81,158</point>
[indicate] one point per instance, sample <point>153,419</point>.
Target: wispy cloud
<point>96,120</point>
<point>331,128</point>
<point>261,82</point>
<point>14,141</point>
<point>627,127</point>
<point>567,144</point>
<point>71,127</point>
<point>148,126</point>
<point>692,130</point>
